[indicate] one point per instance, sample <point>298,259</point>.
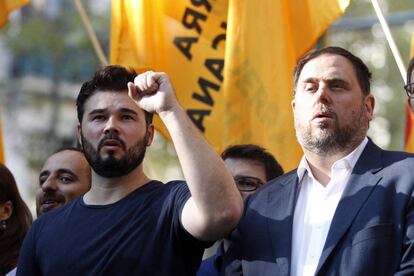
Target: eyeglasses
<point>248,183</point>
<point>409,88</point>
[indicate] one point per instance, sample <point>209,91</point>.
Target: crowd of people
<point>348,209</point>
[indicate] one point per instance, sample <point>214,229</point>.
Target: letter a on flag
<point>247,98</point>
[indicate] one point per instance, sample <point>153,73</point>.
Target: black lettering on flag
<point>205,85</point>
<point>204,3</point>
<point>220,37</point>
<point>215,66</point>
<point>191,19</point>
<point>184,45</point>
<point>197,116</point>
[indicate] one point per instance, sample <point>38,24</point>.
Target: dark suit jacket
<point>372,231</point>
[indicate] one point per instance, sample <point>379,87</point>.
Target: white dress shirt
<point>315,208</point>
<point>12,272</point>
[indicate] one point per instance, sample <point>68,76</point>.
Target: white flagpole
<point>390,39</point>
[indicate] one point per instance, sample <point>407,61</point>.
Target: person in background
<point>349,207</point>
<point>251,166</point>
<point>409,87</point>
<point>15,219</point>
<point>128,224</point>
<point>65,175</point>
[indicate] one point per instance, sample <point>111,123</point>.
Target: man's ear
<point>150,134</point>
<point>370,105</point>
<point>79,134</point>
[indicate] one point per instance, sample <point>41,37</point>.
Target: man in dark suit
<point>348,209</point>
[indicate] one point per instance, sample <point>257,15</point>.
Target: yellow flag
<point>247,100</point>
<point>409,116</point>
<point>183,38</point>
<point>7,6</point>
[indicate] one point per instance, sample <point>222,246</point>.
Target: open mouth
<point>50,203</point>
<point>111,145</point>
<point>323,115</point>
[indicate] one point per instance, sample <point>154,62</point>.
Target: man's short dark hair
<point>362,72</point>
<point>112,78</point>
<point>78,149</point>
<point>255,153</point>
<point>75,149</point>
<point>410,70</point>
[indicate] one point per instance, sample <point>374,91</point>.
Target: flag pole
<point>390,39</point>
<point>91,33</point>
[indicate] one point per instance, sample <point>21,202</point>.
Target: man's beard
<point>334,139</point>
<point>110,166</point>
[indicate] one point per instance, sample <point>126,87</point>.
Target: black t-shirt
<point>140,234</point>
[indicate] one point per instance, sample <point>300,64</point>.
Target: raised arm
<point>215,206</point>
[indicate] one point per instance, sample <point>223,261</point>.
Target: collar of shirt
<point>348,161</point>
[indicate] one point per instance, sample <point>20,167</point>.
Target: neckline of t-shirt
<point>140,189</point>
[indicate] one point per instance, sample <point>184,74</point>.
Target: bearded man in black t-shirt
<point>128,224</point>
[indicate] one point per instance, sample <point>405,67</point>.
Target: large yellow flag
<point>7,6</point>
<point>409,116</point>
<point>247,100</point>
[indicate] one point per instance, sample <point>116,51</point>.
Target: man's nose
<point>323,94</point>
<point>49,185</point>
<point>111,125</point>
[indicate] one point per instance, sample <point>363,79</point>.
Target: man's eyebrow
<point>128,110</point>
<point>329,80</point>
<point>98,111</point>
<point>124,110</point>
<point>337,80</point>
<point>308,80</point>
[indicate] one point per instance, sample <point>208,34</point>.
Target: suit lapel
<point>280,209</point>
<point>360,185</point>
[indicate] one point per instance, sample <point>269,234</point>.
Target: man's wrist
<point>166,114</point>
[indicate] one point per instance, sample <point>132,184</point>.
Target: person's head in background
<point>15,220</point>
<point>409,88</point>
<point>65,175</point>
<point>251,166</point>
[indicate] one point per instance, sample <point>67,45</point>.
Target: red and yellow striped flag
<point>247,98</point>
<point>409,116</point>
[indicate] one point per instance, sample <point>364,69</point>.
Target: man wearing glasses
<point>251,166</point>
<point>409,88</point>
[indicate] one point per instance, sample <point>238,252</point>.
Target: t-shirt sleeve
<point>27,259</point>
<point>180,194</point>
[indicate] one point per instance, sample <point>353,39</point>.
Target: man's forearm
<point>216,204</point>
